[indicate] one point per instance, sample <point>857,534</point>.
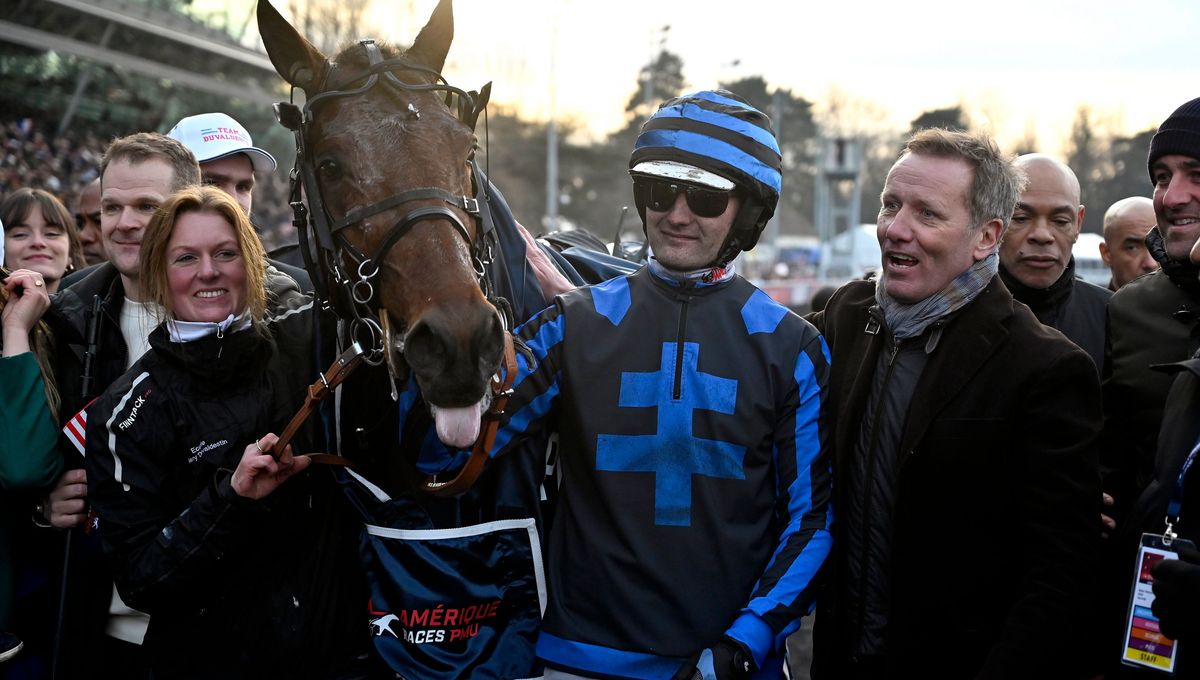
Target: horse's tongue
<point>457,427</point>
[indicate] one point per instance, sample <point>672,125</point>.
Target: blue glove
<point>726,660</point>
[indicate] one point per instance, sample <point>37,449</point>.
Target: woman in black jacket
<point>245,563</point>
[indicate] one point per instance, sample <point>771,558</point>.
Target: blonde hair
<point>211,200</point>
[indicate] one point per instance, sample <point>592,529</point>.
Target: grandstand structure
<point>120,61</point>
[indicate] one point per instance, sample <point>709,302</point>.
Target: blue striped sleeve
<point>786,591</point>
<point>536,387</point>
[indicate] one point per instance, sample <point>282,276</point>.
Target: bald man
<point>1035,256</point>
<point>1124,247</point>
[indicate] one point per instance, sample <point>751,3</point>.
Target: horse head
<point>392,169</point>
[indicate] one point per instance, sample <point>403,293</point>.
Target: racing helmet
<point>714,139</point>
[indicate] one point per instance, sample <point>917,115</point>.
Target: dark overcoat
<point>996,517</point>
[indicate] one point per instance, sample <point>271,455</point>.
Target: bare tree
<point>329,24</point>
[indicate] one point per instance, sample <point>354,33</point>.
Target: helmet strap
<point>743,235</point>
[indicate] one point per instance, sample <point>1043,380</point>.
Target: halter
<point>351,293</point>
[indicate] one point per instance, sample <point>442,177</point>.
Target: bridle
<point>351,292</point>
<point>344,278</point>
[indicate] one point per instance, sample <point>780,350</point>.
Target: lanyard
<point>1175,506</point>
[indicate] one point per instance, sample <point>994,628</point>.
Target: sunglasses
<point>659,196</point>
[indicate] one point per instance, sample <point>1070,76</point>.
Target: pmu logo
<point>432,624</point>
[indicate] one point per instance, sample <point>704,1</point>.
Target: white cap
<point>215,135</point>
<point>1,244</point>
<point>684,173</point>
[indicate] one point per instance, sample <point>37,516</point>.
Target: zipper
<point>684,298</point>
<point>869,482</point>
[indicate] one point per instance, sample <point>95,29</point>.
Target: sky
<point>1018,67</point>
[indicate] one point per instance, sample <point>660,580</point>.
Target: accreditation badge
<point>1145,645</point>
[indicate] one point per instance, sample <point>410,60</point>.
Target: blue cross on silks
<point>673,453</point>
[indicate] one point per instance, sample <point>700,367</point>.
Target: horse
<point>386,159</point>
<point>405,267</point>
<point>419,258</point>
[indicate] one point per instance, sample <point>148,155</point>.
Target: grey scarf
<point>910,321</point>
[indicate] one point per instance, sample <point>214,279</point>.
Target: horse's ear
<point>433,42</point>
<point>293,57</point>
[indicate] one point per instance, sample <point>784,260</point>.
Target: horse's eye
<point>330,171</point>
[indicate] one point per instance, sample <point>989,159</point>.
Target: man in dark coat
<point>1154,390</point>
<point>1154,319</point>
<point>967,492</point>
<point>1035,257</point>
<point>1177,582</point>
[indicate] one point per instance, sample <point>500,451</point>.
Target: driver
<point>695,500</point>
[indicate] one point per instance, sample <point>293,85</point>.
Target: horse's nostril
<point>425,350</point>
<point>489,343</point>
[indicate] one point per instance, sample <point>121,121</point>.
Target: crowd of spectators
<point>33,156</point>
<point>37,159</point>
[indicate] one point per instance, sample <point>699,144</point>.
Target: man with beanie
<point>1151,393</point>
<point>694,507</point>
<point>1035,256</point>
<point>1154,319</point>
<point>1177,581</point>
<point>1173,496</point>
<point>967,487</point>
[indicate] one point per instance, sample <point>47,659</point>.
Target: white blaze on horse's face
<point>372,146</point>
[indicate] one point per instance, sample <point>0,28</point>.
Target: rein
<point>350,292</point>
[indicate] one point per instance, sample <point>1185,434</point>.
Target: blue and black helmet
<point>717,132</point>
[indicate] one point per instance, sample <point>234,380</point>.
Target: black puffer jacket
<point>234,588</point>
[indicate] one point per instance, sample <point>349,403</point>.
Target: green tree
<point>515,161</point>
<point>594,177</point>
<point>951,118</point>
<point>658,81</point>
<point>792,118</point>
<point>1085,151</point>
<point>1127,176</point>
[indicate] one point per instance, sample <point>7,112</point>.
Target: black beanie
<point>1178,134</point>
